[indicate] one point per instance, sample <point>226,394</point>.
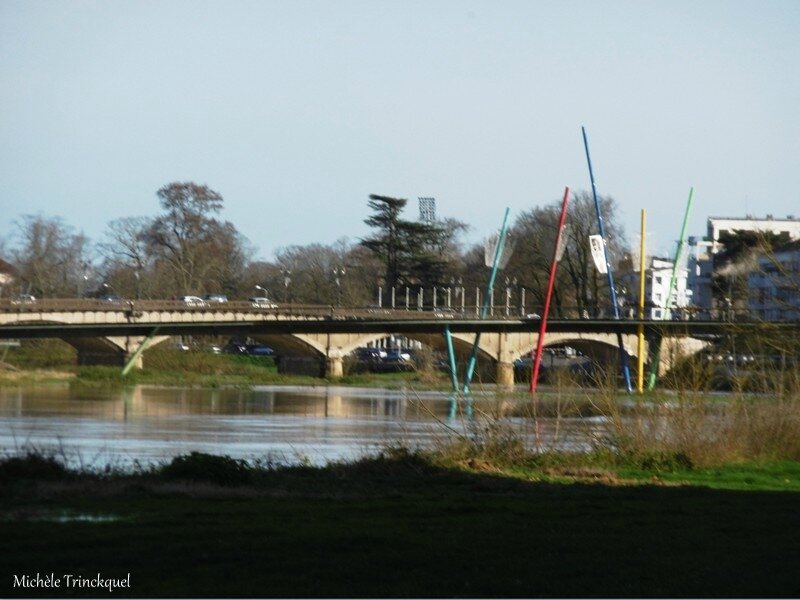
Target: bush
<point>197,466</point>
<point>32,466</point>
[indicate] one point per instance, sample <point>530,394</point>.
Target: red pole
<point>537,358</point>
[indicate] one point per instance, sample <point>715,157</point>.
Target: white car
<point>262,302</point>
<point>23,299</point>
<point>193,301</point>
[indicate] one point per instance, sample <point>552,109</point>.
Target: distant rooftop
<point>753,218</point>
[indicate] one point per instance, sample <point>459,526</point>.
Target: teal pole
<point>498,252</point>
<point>451,357</point>
<point>651,382</point>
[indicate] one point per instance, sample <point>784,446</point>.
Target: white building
<point>774,289</point>
<point>7,276</point>
<point>720,225</point>
<point>656,288</point>
<point>702,251</point>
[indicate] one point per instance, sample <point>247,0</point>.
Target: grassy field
<point>403,527</point>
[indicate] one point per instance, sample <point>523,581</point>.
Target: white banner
<point>562,242</point>
<point>598,253</point>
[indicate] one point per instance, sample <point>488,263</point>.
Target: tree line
<point>188,248</point>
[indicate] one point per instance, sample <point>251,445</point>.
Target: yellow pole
<point>640,349</point>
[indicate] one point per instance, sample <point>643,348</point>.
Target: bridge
<point>116,332</point>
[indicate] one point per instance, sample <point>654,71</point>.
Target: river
<point>95,427</point>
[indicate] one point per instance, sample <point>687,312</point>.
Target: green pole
<point>145,342</point>
<point>651,382</point>
<point>498,252</point>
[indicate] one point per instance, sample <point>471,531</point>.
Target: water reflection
<point>283,424</point>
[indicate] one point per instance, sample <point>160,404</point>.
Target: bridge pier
<point>504,376</point>
<point>334,367</point>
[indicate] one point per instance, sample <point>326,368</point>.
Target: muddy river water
<point>282,424</point>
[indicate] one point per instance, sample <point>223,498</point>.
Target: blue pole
<point>609,272</point>
<point>498,252</point>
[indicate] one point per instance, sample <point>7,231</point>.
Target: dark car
<point>260,350</point>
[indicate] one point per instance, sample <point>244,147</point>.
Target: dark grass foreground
<point>398,527</point>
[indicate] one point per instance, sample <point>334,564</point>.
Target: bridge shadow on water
<point>404,528</point>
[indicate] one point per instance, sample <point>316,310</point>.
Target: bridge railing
<point>134,307</point>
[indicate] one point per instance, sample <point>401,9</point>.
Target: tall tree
<point>414,253</point>
<point>188,241</point>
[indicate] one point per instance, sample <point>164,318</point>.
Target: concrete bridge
<point>114,333</point>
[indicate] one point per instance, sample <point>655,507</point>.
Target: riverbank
<point>41,361</point>
<point>402,525</point>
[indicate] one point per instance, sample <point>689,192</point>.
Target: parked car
<point>193,301</point>
<point>215,298</point>
<point>368,354</point>
<point>235,347</point>
<point>444,312</point>
<point>398,354</point>
<point>262,302</point>
<point>259,350</point>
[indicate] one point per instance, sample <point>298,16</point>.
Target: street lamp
<point>338,272</point>
<point>286,281</point>
<point>262,289</point>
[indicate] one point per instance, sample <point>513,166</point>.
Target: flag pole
<point>623,356</point>
<point>651,383</point>
<point>640,340</point>
<point>537,357</point>
<point>498,252</point>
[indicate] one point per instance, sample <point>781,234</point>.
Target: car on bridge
<point>215,298</point>
<point>23,299</point>
<point>193,301</point>
<point>261,302</point>
<point>444,312</point>
<point>113,299</point>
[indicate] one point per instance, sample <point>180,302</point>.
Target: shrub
<point>32,466</point>
<point>197,466</point>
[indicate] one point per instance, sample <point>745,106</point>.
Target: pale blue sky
<point>297,110</point>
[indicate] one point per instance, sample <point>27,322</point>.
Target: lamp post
<point>508,295</point>
<point>83,281</point>
<point>287,279</point>
<point>262,289</point>
<point>338,272</point>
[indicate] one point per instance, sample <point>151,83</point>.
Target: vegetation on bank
<point>55,360</point>
<point>678,495</point>
<point>399,525</point>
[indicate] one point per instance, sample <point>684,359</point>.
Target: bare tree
<point>578,285</point>
<point>49,257</point>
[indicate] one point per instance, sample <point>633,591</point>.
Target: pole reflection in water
<point>282,424</point>
<point>469,402</point>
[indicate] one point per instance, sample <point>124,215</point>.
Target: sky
<point>297,110</point>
